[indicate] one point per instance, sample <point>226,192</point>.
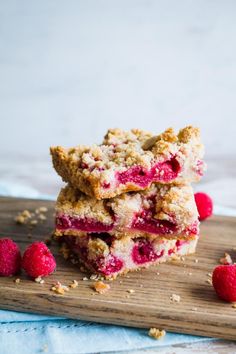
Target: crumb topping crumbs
<point>226,259</point>
<point>60,289</point>
<point>175,298</point>
<point>39,280</point>
<point>74,284</point>
<point>101,287</point>
<point>156,333</point>
<point>26,216</point>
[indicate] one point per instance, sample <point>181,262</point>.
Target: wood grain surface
<point>149,305</point>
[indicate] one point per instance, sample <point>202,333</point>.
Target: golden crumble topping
<point>92,169</point>
<point>166,202</point>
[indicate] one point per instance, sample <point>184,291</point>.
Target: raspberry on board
<point>204,205</point>
<point>224,282</point>
<point>10,258</point>
<point>38,260</point>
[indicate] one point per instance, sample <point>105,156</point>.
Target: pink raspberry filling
<point>64,222</point>
<point>143,252</point>
<point>160,172</point>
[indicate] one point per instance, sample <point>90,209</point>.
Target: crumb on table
<point>156,333</point>
<point>101,287</point>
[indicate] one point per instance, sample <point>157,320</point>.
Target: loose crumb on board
<point>157,333</point>
<point>194,309</point>
<point>175,298</point>
<point>101,287</point>
<point>60,289</point>
<point>74,284</point>
<point>27,217</point>
<point>234,306</point>
<point>131,291</point>
<point>39,280</point>
<point>17,281</point>
<point>209,281</point>
<point>196,260</point>
<point>226,259</point>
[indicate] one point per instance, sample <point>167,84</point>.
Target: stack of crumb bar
<point>128,202</point>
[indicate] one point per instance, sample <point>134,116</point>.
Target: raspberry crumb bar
<point>108,256</point>
<point>131,161</point>
<point>160,210</point>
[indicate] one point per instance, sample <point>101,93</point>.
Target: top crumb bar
<point>131,161</point>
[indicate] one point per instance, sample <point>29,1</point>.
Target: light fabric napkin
<point>23,333</point>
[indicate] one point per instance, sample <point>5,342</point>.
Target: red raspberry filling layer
<point>160,172</point>
<point>66,222</point>
<point>143,252</point>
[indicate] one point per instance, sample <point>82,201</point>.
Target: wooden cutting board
<point>199,311</point>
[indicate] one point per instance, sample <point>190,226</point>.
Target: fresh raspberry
<point>38,261</point>
<point>224,282</point>
<point>204,205</point>
<point>10,258</point>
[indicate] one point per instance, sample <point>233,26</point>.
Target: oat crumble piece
<point>23,217</point>
<point>39,280</point>
<point>101,287</point>
<point>209,281</point>
<point>85,278</point>
<point>175,298</point>
<point>42,217</point>
<point>234,306</point>
<point>226,259</point>
<point>60,289</point>
<point>156,333</point>
<point>17,281</point>
<point>33,222</point>
<point>74,284</point>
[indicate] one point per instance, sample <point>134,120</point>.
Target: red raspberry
<point>38,261</point>
<point>204,205</point>
<point>10,258</point>
<point>224,282</point>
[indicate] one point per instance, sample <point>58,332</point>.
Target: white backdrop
<point>71,69</point>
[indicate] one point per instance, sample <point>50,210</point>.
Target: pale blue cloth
<point>27,333</point>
